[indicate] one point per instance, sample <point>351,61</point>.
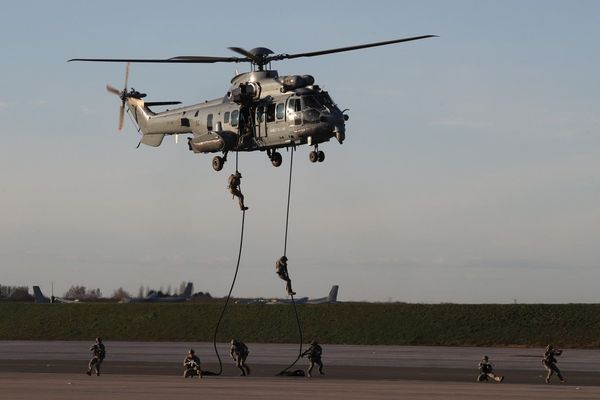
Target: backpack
<point>101,351</point>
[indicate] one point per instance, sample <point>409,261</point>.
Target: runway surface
<point>148,370</point>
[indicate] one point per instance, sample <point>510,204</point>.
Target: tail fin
<point>142,114</point>
<point>187,293</point>
<point>333,294</point>
<point>39,296</point>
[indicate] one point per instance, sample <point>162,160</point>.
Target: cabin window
<point>270,112</point>
<point>226,117</point>
<point>197,111</point>
<point>235,116</point>
<point>280,111</point>
<point>209,122</point>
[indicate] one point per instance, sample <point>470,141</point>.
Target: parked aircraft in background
<point>331,298</point>
<point>39,298</point>
<point>155,298</point>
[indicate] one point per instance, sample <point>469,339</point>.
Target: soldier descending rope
<point>282,272</point>
<point>233,184</point>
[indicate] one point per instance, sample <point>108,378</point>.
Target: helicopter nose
<point>337,124</point>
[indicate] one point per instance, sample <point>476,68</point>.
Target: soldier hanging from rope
<point>233,184</point>
<point>282,272</point>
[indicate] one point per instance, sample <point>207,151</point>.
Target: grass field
<point>568,325</point>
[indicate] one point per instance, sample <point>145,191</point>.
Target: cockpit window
<point>326,100</point>
<point>312,102</point>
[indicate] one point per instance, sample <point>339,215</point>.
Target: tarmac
<point>152,370</point>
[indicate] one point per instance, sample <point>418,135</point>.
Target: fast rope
<point>237,267</point>
<point>287,219</point>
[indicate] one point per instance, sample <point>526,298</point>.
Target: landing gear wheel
<point>218,162</point>
<point>320,156</point>
<point>276,159</point>
<point>313,156</point>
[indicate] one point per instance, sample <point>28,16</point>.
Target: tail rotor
<point>122,95</point>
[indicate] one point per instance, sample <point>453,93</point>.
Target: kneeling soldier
<point>486,370</point>
<point>191,363</point>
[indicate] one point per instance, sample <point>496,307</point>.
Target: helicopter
<point>261,111</point>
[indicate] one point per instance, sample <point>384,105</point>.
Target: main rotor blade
<point>350,48</point>
<point>126,76</point>
<point>121,116</point>
<point>206,59</point>
<point>173,60</point>
<point>243,52</point>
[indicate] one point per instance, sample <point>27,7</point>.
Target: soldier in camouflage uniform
<point>549,361</point>
<point>191,363</point>
<point>233,184</point>
<point>98,354</point>
<point>486,370</point>
<point>314,353</point>
<point>282,272</point>
<point>239,352</point>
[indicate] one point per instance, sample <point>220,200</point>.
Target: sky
<point>470,173</point>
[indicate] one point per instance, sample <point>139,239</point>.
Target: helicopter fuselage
<point>261,111</point>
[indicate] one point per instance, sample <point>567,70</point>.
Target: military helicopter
<point>261,110</point>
